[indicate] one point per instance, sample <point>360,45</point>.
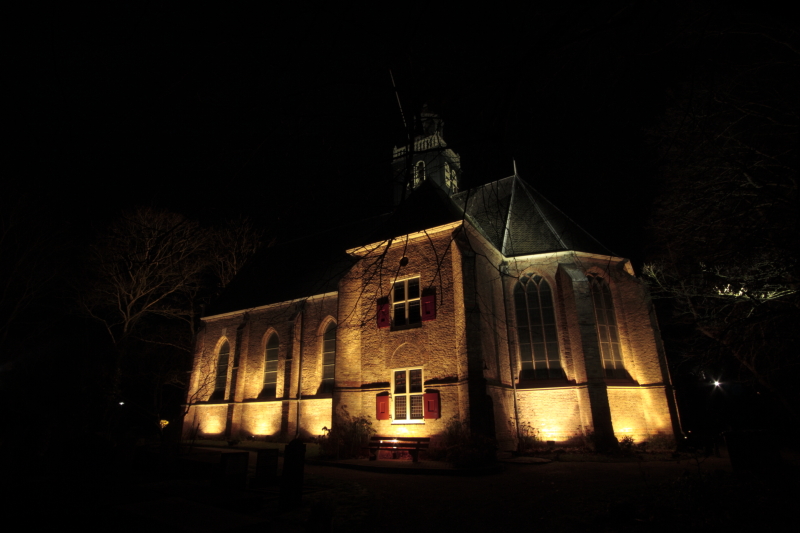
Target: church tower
<point>426,159</point>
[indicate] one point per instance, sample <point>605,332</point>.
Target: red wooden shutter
<point>382,406</point>
<point>384,320</point>
<point>428,307</point>
<point>431,400</point>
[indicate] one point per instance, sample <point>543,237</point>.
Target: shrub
<point>661,442</point>
<point>529,439</point>
<point>589,438</point>
<point>626,444</point>
<point>463,449</point>
<point>348,437</point>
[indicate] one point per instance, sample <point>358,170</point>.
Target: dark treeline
<point>98,327</point>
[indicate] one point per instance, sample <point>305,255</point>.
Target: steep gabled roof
<point>314,264</point>
<point>294,269</point>
<point>427,206</point>
<point>515,218</point>
<point>518,220</point>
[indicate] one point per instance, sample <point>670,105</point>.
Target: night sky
<point>290,117</point>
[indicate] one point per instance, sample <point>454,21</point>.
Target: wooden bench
<point>412,445</point>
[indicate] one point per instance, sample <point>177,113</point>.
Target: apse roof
<point>518,220</point>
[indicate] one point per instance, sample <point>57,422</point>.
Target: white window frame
<point>406,302</point>
<point>408,395</point>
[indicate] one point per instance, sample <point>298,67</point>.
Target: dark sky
<point>288,114</point>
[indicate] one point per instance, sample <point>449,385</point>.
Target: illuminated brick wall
<point>209,419</point>
<point>261,418</point>
<point>639,411</point>
<point>367,355</point>
<point>473,334</point>
<point>314,415</point>
<point>554,413</point>
<point>637,408</point>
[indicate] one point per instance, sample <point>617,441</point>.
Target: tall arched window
<point>419,173</point>
<point>270,367</point>
<point>536,329</point>
<point>607,328</point>
<point>222,372</point>
<point>328,358</point>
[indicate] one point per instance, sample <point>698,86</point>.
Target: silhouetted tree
<point>726,227</point>
<point>151,274</point>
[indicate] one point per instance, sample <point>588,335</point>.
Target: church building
<point>488,306</point>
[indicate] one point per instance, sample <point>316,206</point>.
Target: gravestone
<point>294,456</point>
<point>232,470</point>
<point>266,467</point>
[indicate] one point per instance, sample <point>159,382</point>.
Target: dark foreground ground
<point>644,494</point>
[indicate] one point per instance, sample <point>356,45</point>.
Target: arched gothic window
<point>222,372</point>
<point>607,328</point>
<point>270,367</point>
<point>536,329</point>
<point>419,173</point>
<point>328,358</point>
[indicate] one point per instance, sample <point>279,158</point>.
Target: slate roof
<point>298,268</point>
<point>518,220</point>
<point>428,206</point>
<point>515,218</point>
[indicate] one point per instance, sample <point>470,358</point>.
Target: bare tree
<point>146,271</point>
<point>726,246</point>
<point>231,245</point>
<point>144,266</point>
<point>152,273</point>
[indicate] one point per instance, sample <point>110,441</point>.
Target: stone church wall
<point>472,335</point>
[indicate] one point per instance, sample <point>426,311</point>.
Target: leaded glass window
<point>271,367</point>
<point>537,334</point>
<point>607,330</point>
<point>407,393</point>
<point>328,358</point>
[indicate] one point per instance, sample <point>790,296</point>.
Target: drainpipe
<point>299,332</point>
